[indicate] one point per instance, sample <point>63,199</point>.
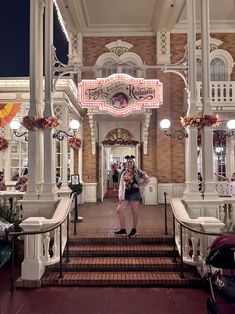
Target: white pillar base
<point>32,270</point>
<point>191,191</point>
<point>38,208</point>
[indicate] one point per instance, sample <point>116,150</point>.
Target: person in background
<point>115,177</point>
<point>2,182</point>
<point>57,178</point>
<point>21,184</point>
<point>131,188</point>
<point>15,176</point>
<point>199,177</point>
<point>25,171</point>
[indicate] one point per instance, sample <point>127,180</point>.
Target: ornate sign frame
<point>120,94</point>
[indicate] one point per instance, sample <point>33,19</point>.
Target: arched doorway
<point>117,143</point>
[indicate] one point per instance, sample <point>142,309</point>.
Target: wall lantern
<point>74,126</point>
<point>231,127</point>
<point>179,133</point>
<point>59,135</point>
<point>15,125</point>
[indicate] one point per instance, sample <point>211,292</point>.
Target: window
<point>59,157</point>
<point>217,68</point>
<point>219,148</point>
<point>199,70</point>
<point>130,68</point>
<point>108,68</point>
<point>19,158</point>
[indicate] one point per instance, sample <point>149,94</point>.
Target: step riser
<point>120,240</point>
<point>118,268</point>
<point>122,284</point>
<point>120,254</point>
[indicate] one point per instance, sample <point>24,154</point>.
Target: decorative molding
<point>214,43</point>
<point>75,48</point>
<point>119,47</point>
<point>92,126</point>
<point>163,48</point>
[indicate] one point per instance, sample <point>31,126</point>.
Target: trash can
<point>150,192</point>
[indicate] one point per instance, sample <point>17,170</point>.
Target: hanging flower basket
<point>74,142</point>
<point>35,123</point>
<point>200,121</point>
<point>3,143</point>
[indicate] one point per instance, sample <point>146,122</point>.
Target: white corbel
<point>145,130</point>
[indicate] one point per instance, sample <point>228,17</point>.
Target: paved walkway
<point>100,218</point>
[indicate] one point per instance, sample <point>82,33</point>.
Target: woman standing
<point>131,187</point>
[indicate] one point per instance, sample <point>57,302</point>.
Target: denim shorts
<point>133,195</point>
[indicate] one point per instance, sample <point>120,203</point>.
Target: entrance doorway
<point>117,144</point>
<point>113,155</point>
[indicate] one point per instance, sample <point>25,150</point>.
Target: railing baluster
<point>12,288</point>
<point>181,252</point>
<point>75,213</point>
<point>61,274</point>
<point>174,245</point>
<point>67,243</point>
<point>165,208</point>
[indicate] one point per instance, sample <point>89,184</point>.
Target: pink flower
<point>74,142</point>
<point>3,143</point>
<point>200,121</point>
<point>35,123</point>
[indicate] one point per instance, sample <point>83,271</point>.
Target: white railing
<point>221,92</point>
<point>38,253</point>
<point>194,244</point>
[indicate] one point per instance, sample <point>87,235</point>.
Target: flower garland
<point>120,141</point>
<point>35,123</point>
<point>74,142</point>
<point>200,121</point>
<point>3,143</point>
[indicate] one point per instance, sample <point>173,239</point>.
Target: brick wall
<point>166,156</point>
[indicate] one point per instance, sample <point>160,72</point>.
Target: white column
<point>207,132</point>
<point>49,191</point>
<point>64,147</point>
<point>36,60</point>
<point>7,156</point>
<point>40,138</point>
<point>230,155</point>
<point>191,179</point>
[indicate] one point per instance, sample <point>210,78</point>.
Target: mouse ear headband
<point>127,157</point>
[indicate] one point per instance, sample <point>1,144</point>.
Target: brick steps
<point>128,279</point>
<point>114,261</point>
<point>119,264</point>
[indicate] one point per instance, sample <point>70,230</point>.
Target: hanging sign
<point>120,94</point>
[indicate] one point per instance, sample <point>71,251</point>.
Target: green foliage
<point>76,188</point>
<point>10,216</point>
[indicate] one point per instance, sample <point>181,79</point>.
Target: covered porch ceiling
<point>140,18</point>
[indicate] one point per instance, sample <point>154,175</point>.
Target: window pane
<point>217,68</point>
<point>14,147</point>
